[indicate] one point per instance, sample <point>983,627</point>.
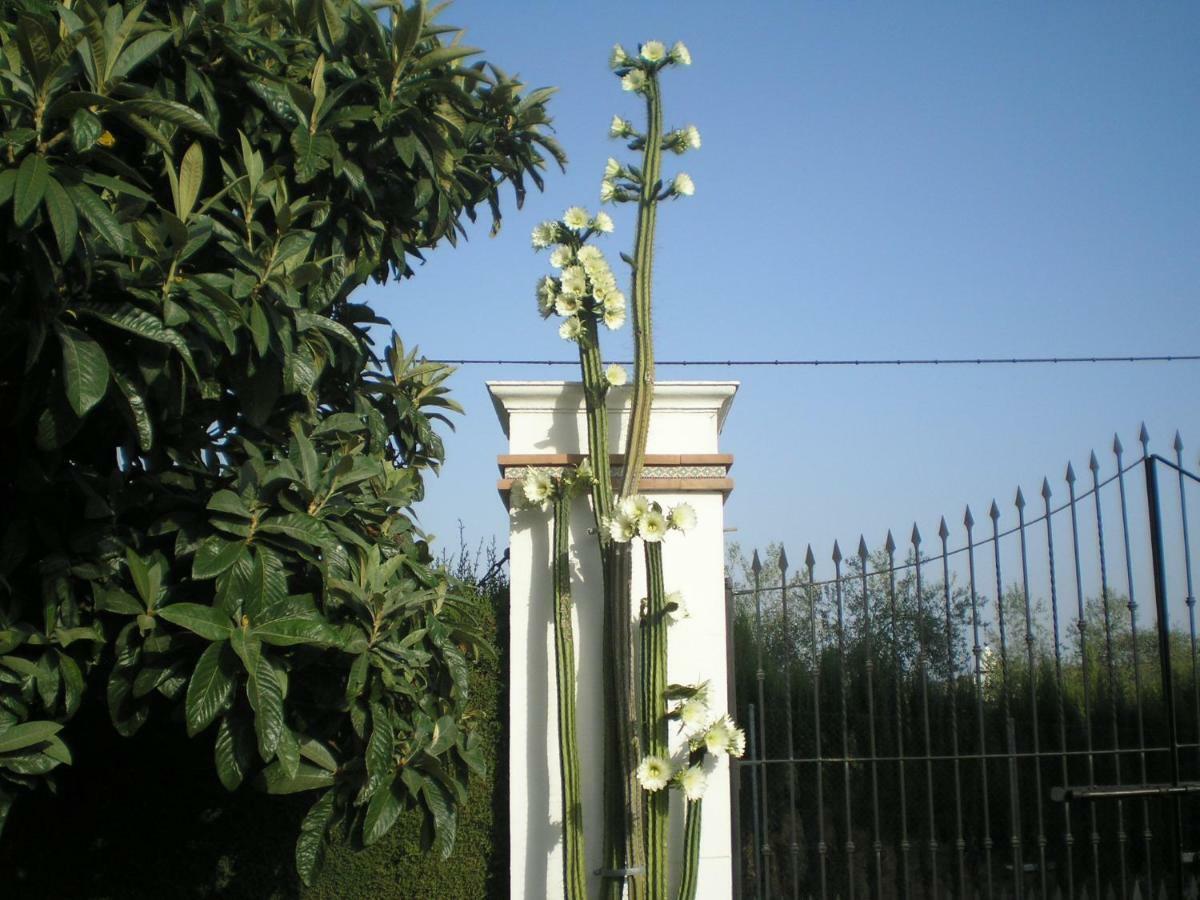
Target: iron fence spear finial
<point>943,531</point>
<point>916,536</point>
<point>1117,448</point>
<point>1093,463</point>
<point>755,565</point>
<point>1144,438</point>
<point>837,553</point>
<point>783,560</point>
<point>1070,474</point>
<point>889,545</point>
<point>809,560</point>
<point>994,512</point>
<point>1020,500</point>
<point>968,519</point>
<point>1178,445</point>
<point>862,551</point>
<point>1046,493</point>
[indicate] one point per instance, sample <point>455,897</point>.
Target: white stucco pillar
<point>545,426</point>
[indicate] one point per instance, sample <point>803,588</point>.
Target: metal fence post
<point>735,774</point>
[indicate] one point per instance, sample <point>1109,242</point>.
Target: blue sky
<point>916,180</point>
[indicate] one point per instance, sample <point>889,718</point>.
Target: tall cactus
<point>639,707</point>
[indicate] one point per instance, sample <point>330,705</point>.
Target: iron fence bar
<point>1122,836</point>
<point>841,649</point>
<point>791,772</point>
<point>877,845</point>
<point>1031,678</point>
<point>1147,835</point>
<point>745,592</point>
<point>977,650</point>
<point>924,676</point>
<point>1069,838</point>
<point>756,567</point>
<point>1164,656</point>
<point>889,547</point>
<point>1083,657</point>
<point>1108,792</point>
<point>1177,466</point>
<point>1020,756</point>
<point>822,846</point>
<point>1187,568</point>
<point>1014,797</point>
<point>735,775</point>
<point>757,822</point>
<point>960,844</point>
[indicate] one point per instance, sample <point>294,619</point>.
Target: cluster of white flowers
<point>720,737</point>
<point>681,140</point>
<point>652,54</point>
<point>586,284</point>
<point>535,488</point>
<point>637,516</point>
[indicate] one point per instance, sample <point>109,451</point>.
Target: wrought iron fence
<point>997,719</point>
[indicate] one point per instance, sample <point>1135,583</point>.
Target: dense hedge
<point>209,843</point>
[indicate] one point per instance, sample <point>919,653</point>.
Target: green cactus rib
<point>574,865</point>
<point>654,718</point>
<point>622,802</point>
<point>643,274</point>
<point>691,851</point>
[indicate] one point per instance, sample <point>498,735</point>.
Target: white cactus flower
<point>571,329</point>
<point>683,517</point>
<point>546,291</point>
<point>537,488</point>
<point>682,185</point>
<point>603,223</point>
<point>653,527</point>
<point>613,318</point>
<point>621,528</point>
<point>694,715</point>
<point>693,781</point>
<point>620,127</point>
<point>654,51</point>
<point>544,235</point>
<point>634,80</point>
<point>618,58</point>
<point>653,773</point>
<point>635,506</point>
<point>692,134</point>
<point>680,611</point>
<point>680,54</point>
<point>615,375</point>
<point>561,256</point>
<point>576,217</point>
<point>567,304</point>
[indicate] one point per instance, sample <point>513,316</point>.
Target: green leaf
<point>313,152</point>
<point>98,215</point>
<point>138,410</point>
<point>147,577</point>
<point>137,321</point>
<point>73,683</point>
<point>215,555</point>
<point>139,51</point>
<point>211,687</point>
<point>315,751</point>
<point>118,601</point>
<point>63,220</point>
<point>32,177</point>
<point>85,368</point>
<point>169,111</point>
<point>357,678</point>
<point>299,526</point>
<point>266,698</point>
<point>381,762</point>
<point>310,847</point>
<point>445,819</point>
<point>284,630</point>
<point>191,174</point>
<point>8,183</point>
<point>307,778</point>
<point>288,752</point>
<point>445,733</point>
<point>385,807</point>
<point>86,129</point>
<point>27,734</point>
<point>228,502</point>
<point>202,620</point>
<point>233,751</point>
<point>260,330</point>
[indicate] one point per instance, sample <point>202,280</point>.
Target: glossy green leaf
<point>202,620</point>
<point>210,688</point>
<point>385,807</point>
<point>233,750</point>
<point>85,368</point>
<point>215,555</point>
<point>32,177</point>
<point>191,174</point>
<point>169,111</point>
<point>307,778</point>
<point>310,847</point>
<point>27,734</point>
<point>266,699</point>
<point>63,220</point>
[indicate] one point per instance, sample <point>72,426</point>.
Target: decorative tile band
<point>662,473</point>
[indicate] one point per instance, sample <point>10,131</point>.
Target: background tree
<point>207,467</point>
